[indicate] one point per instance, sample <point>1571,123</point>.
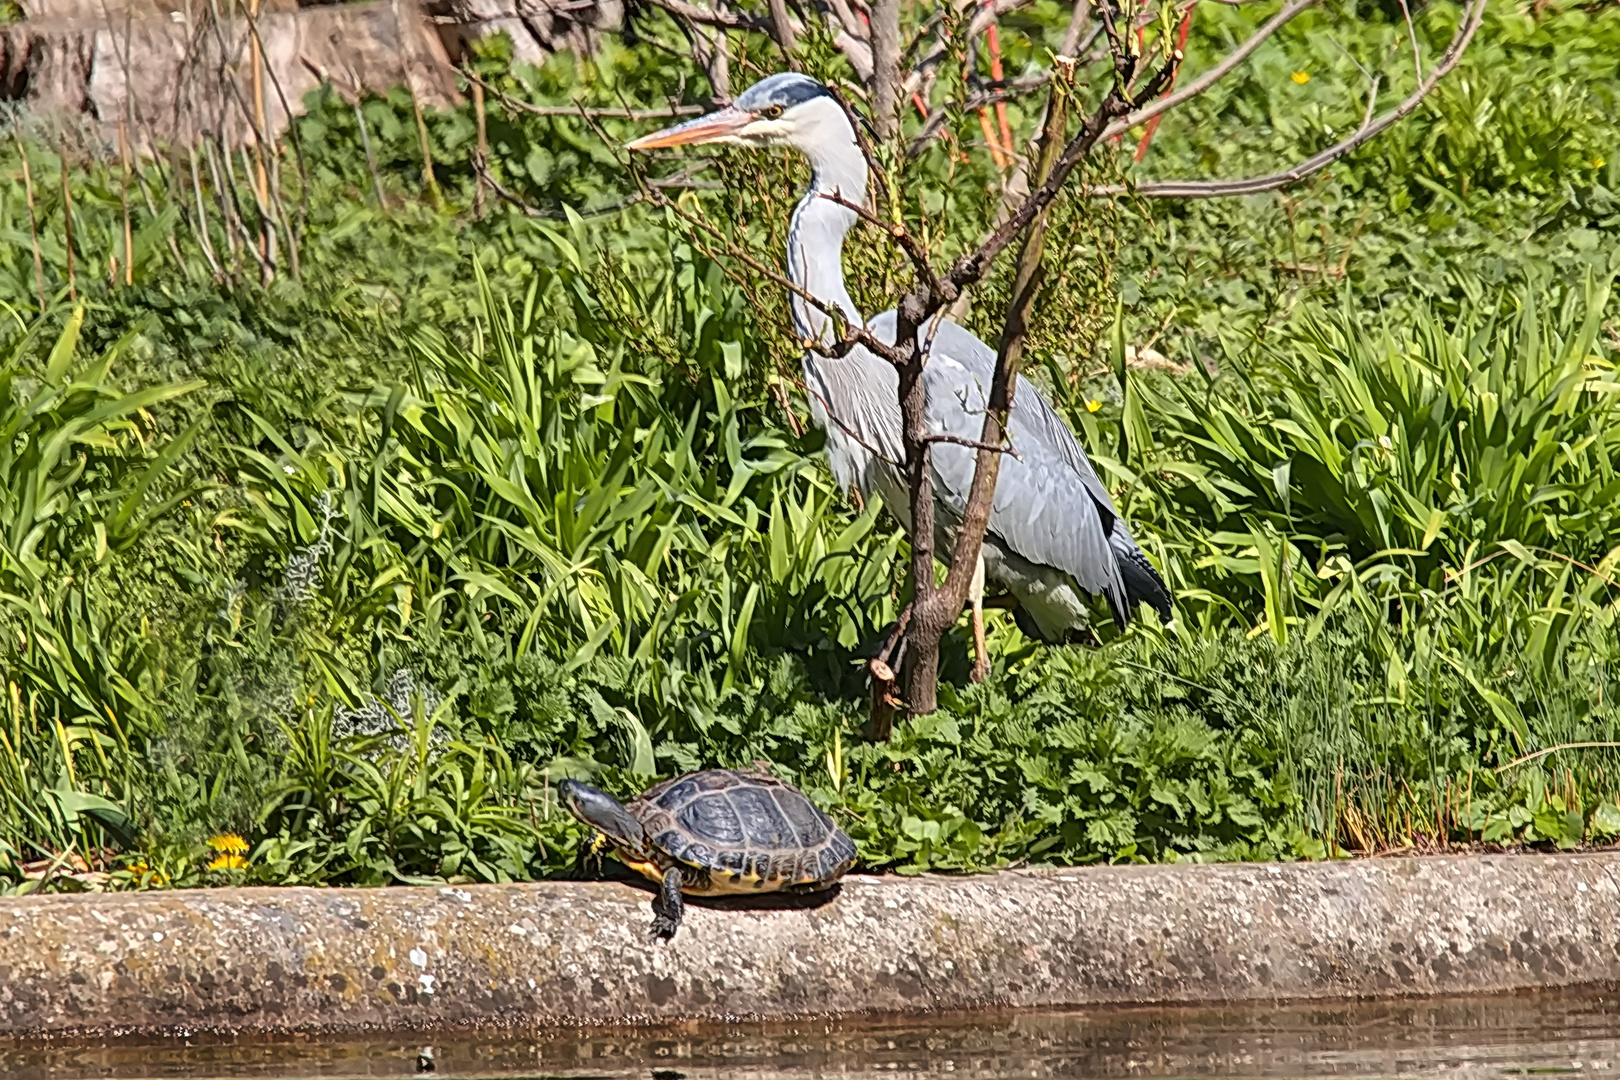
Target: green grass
<point>359,563</point>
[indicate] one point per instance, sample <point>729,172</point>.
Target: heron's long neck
<point>815,251</point>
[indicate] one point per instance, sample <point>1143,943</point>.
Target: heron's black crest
<point>786,89</point>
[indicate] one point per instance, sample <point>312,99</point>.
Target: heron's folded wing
<point>1042,510</point>
<point>1033,418</point>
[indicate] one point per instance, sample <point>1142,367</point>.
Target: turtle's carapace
<point>715,833</point>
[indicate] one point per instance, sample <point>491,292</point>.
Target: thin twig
<point>1214,75</point>
<point>67,219</point>
<point>481,161</point>
<point>726,20</point>
<point>1411,33</point>
<point>914,249</point>
<point>123,203</point>
<point>365,143</point>
<point>975,444</point>
<point>261,190</point>
<point>423,143</point>
<point>679,180</point>
<point>576,110</point>
<point>1195,189</point>
<point>975,264</point>
<point>295,230</point>
<point>203,239</point>
<point>1555,749</point>
<point>853,336</point>
<point>227,205</point>
<point>267,223</point>
<point>33,220</point>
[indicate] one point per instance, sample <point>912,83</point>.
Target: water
<point>1574,1032</point>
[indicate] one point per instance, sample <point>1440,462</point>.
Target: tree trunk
<point>921,670</point>
<point>935,609</point>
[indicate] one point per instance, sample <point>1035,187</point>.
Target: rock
<point>578,953</point>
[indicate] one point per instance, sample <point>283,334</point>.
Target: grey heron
<point>1054,537</point>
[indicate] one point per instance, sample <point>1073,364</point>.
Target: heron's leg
<point>668,906</point>
<point>981,651</point>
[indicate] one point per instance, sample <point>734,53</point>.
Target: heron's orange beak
<point>705,129</point>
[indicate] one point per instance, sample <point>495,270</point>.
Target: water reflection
<point>1462,1038</point>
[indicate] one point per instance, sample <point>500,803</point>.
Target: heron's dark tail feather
<point>1143,585</point>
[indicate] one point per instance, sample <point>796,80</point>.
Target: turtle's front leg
<point>668,906</point>
<point>590,858</point>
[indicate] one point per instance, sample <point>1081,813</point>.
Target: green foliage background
<point>357,564</point>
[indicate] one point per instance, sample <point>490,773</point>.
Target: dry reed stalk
<point>256,58</point>
<point>261,176</point>
<point>226,207</point>
<point>203,227</point>
<point>123,203</point>
<point>267,223</point>
<point>292,226</point>
<point>365,143</point>
<point>282,218</point>
<point>67,219</point>
<point>33,222</point>
<point>422,139</point>
<point>483,150</point>
<point>1468,808</point>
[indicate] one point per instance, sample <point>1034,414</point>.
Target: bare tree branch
<point>975,444</point>
<point>1411,33</point>
<point>782,27</point>
<point>974,265</point>
<point>913,248</point>
<point>582,110</point>
<point>935,610</point>
<point>682,179</point>
<point>989,95</point>
<point>1205,189</point>
<point>847,20</point>
<point>726,20</point>
<point>1213,75</point>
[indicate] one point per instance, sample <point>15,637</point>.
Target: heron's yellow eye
<point>771,112</point>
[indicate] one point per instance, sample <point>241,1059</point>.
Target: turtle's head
<point>605,814</point>
<point>788,109</point>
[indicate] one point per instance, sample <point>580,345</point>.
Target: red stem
<point>1153,124</point>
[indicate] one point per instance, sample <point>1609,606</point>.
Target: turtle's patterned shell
<point>751,831</point>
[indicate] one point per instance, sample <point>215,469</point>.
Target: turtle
<point>716,832</point>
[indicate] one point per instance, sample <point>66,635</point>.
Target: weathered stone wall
<point>176,69</point>
<point>344,960</point>
<point>172,76</point>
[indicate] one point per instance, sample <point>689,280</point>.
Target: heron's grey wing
<point>855,400</point>
<point>1032,416</point>
<point>1046,509</point>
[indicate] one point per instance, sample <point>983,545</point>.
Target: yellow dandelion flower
<point>1301,77</point>
<point>139,870</point>
<point>228,844</point>
<point>1598,163</point>
<point>1092,405</point>
<point>228,862</point>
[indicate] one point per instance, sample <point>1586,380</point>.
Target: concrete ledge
<point>349,960</point>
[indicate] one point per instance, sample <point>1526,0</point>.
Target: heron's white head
<point>788,109</point>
